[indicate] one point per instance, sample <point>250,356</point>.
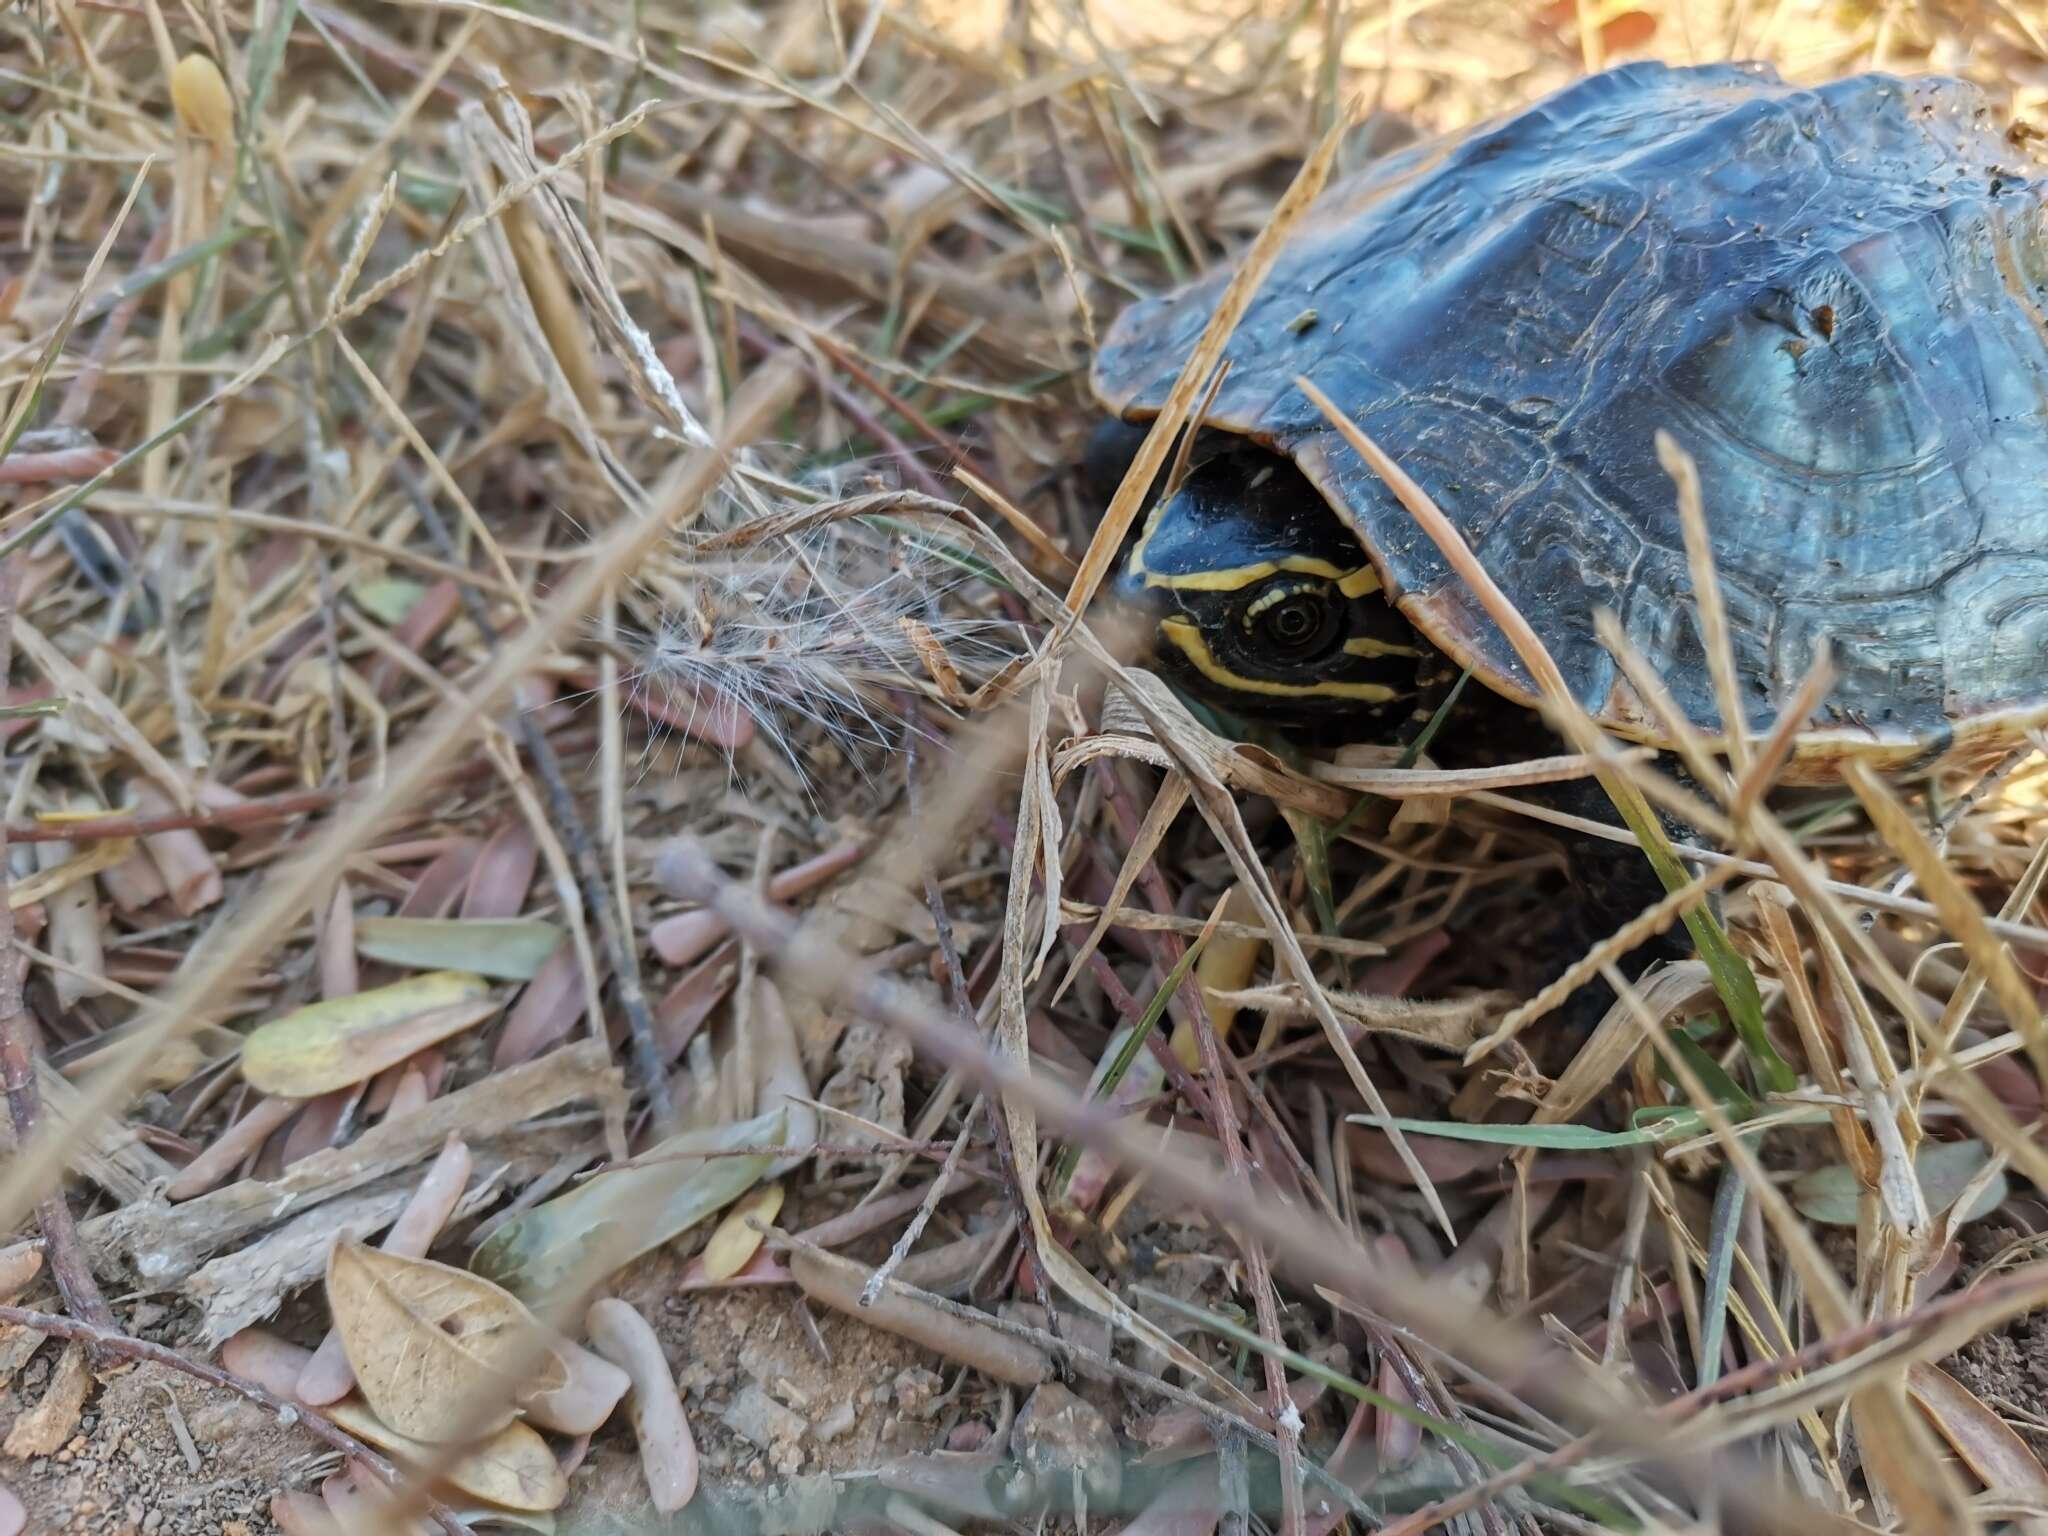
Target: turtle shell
<point>1833,298</point>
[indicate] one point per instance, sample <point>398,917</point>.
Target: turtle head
<point>1262,601</point>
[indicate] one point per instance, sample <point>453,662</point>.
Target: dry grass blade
<point>1198,370</point>
<point>1907,1466</point>
<point>1971,985</point>
<point>1706,596</point>
<point>1959,911</point>
<point>1166,805</point>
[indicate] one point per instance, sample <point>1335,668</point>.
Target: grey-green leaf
<point>1831,1194</point>
<point>572,1242</point>
<point>511,949</point>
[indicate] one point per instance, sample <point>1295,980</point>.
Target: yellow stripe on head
<point>1236,578</point>
<point>1189,640</point>
<point>1362,646</point>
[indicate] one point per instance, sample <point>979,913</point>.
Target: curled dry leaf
<point>331,1044</point>
<point>589,1392</point>
<point>511,948</point>
<point>668,1451</point>
<point>513,1468</point>
<point>738,1237</point>
<point>431,1344</point>
<point>189,871</point>
<point>327,1377</point>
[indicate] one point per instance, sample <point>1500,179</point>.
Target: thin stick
<point>249,813</point>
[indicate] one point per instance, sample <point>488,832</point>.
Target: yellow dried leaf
<point>513,1468</point>
<point>343,1040</point>
<point>737,1240</point>
<point>202,101</point>
<point>429,1342</point>
<point>1226,965</point>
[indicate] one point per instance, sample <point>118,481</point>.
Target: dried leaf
<point>668,1451</point>
<point>502,875</point>
<point>436,889</point>
<point>546,1009</point>
<point>429,1342</point>
<point>342,1040</point>
<point>738,1238</point>
<point>513,1468</point>
<point>511,949</point>
<point>1988,1445</point>
<point>1227,964</point>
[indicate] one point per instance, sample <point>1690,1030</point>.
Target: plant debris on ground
<point>591,945</point>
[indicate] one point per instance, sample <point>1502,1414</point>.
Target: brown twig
<point>68,1267</point>
<point>249,813</point>
<point>112,1341</point>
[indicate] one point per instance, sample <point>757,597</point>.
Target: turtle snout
<point>1140,605</point>
<point>1133,592</point>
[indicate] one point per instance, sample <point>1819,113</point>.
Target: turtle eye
<point>1297,623</point>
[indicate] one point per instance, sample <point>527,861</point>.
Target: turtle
<point>1834,298</point>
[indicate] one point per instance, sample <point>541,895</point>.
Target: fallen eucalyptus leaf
<point>343,1040</point>
<point>1831,1194</point>
<point>509,948</point>
<point>577,1239</point>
